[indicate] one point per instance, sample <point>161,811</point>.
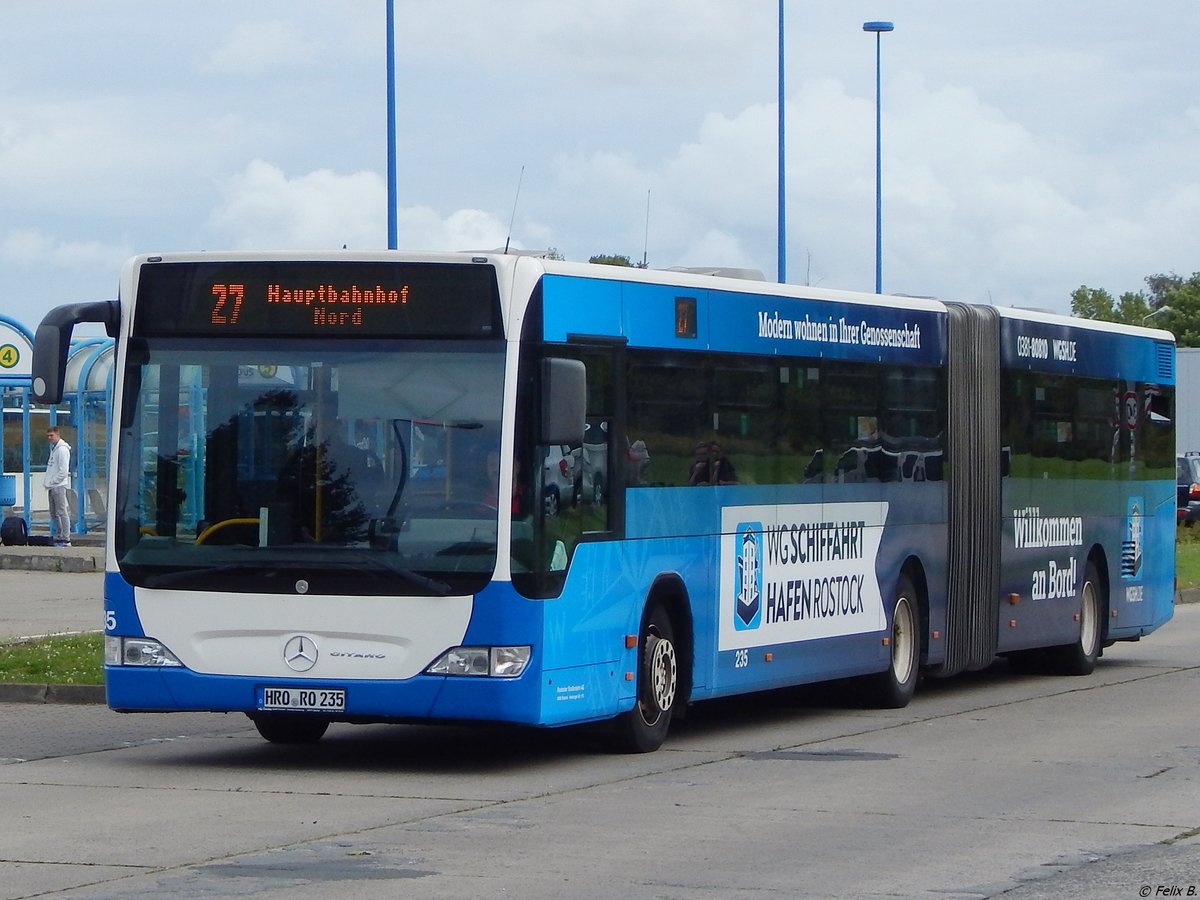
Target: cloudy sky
<point>1028,147</point>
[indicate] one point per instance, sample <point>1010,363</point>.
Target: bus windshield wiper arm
<point>168,578</point>
<point>359,562</point>
<point>380,564</point>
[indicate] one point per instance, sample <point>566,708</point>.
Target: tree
<point>607,259</point>
<point>1182,298</point>
<point>1097,303</point>
<point>1092,303</point>
<point>1133,308</point>
<point>1160,286</point>
<point>1172,300</point>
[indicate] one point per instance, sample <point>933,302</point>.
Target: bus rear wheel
<point>644,728</point>
<point>894,687</point>
<point>1079,657</point>
<point>289,728</point>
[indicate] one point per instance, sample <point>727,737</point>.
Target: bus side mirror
<point>52,342</point>
<point>564,401</point>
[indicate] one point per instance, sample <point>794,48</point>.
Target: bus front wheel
<point>289,728</point>
<point>644,728</point>
<point>894,687</point>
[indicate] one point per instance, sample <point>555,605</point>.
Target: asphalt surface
<point>47,591</point>
<point>36,603</point>
<point>994,785</point>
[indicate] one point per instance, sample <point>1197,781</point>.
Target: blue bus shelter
<point>83,418</point>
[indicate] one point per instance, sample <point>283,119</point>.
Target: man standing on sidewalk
<point>58,482</point>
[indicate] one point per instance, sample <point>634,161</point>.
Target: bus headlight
<point>119,651</point>
<point>509,662</point>
<point>496,662</point>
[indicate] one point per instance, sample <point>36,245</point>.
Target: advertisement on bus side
<point>799,572</point>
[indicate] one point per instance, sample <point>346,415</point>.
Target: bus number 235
<point>741,658</point>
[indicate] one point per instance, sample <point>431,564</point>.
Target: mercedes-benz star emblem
<point>300,653</point>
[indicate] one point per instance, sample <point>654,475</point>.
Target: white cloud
<point>422,228</point>
<point>975,204</point>
<point>253,48</point>
<point>1053,147</point>
<point>32,248</point>
<point>262,208</point>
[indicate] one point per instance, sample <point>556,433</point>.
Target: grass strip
<point>1187,557</point>
<point>57,659</point>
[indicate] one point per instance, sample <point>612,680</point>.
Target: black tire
<point>894,687</point>
<point>644,728</point>
<point>1079,657</point>
<point>290,728</point>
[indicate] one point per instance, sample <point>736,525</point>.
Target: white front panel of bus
<point>354,637</point>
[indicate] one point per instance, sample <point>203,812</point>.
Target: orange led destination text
<point>334,305</point>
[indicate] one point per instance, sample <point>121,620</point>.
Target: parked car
<point>562,478</point>
<point>1187,488</point>
<point>595,461</point>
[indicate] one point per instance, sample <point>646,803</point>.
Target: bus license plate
<point>307,699</point>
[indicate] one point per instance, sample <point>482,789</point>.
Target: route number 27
<point>228,304</point>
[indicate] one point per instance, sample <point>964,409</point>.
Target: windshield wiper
<point>168,578</point>
<point>358,562</point>
<point>382,564</point>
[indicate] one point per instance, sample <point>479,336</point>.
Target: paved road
<point>41,602</point>
<point>988,785</point>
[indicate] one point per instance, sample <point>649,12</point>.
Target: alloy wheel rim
<point>661,677</point>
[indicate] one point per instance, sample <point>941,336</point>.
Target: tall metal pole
<point>878,174</point>
<point>393,241</point>
<point>781,252</point>
<point>879,28</point>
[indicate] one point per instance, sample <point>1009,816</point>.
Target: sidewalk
<point>36,602</point>
<point>86,554</point>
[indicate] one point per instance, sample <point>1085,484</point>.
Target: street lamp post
<point>781,251</point>
<point>393,241</point>
<point>878,28</point>
<point>1157,312</point>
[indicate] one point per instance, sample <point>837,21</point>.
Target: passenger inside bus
<point>711,466</point>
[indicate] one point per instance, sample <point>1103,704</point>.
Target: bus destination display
<point>304,299</point>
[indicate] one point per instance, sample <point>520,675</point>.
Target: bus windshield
<point>323,466</point>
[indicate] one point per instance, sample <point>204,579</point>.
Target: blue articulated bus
<point>391,486</point>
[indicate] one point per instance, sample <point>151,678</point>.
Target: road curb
<point>52,693</point>
<point>53,559</point>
